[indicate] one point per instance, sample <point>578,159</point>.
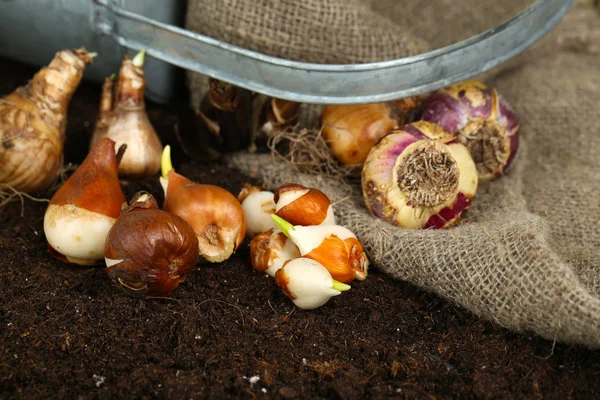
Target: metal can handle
<point>336,84</point>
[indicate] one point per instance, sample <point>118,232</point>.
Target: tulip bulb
<point>308,283</point>
<point>123,118</point>
<point>33,122</point>
<point>270,115</point>
<point>149,252</point>
<point>215,214</point>
<point>352,130</point>
<point>86,206</point>
<point>258,205</point>
<point>270,249</point>
<point>300,205</point>
<point>419,177</point>
<point>482,120</point>
<point>334,246</point>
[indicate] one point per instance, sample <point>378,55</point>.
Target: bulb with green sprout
<point>334,246</point>
<point>214,213</point>
<point>122,117</point>
<point>308,283</point>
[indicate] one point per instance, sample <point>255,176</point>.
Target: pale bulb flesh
<point>76,233</point>
<point>258,205</point>
<point>308,283</point>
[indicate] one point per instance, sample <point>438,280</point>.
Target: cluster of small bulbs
<point>295,239</point>
<point>148,251</point>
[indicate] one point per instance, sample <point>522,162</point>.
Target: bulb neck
<point>131,86</point>
<point>54,85</point>
<point>107,99</point>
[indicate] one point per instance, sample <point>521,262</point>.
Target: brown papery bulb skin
<point>352,130</point>
<point>263,248</point>
<point>84,208</point>
<point>149,252</point>
<point>33,122</point>
<point>215,215</point>
<point>306,206</point>
<point>270,249</point>
<point>123,118</point>
<point>95,185</point>
<point>278,114</point>
<point>344,259</point>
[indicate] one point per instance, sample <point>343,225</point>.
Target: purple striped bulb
<point>482,120</point>
<point>419,176</point>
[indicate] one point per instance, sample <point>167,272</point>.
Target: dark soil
<point>229,332</point>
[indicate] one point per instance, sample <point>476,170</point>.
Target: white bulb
<point>258,207</point>
<point>309,282</point>
<point>76,233</point>
<point>308,238</point>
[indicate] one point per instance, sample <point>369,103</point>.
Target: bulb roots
<point>488,145</point>
<point>428,176</point>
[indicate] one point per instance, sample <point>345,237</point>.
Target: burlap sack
<point>445,22</point>
<point>527,254</point>
<point>341,31</point>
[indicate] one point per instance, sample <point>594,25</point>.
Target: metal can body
<point>32,31</point>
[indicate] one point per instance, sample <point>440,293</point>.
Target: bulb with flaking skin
<point>149,252</point>
<point>86,206</point>
<point>300,205</point>
<point>33,120</point>
<point>308,283</point>
<point>258,205</point>
<point>123,118</point>
<point>215,214</point>
<point>419,176</point>
<point>482,120</point>
<point>352,130</point>
<point>270,249</point>
<point>334,246</point>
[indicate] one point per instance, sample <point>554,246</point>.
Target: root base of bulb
<point>489,146</point>
<point>428,176</point>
